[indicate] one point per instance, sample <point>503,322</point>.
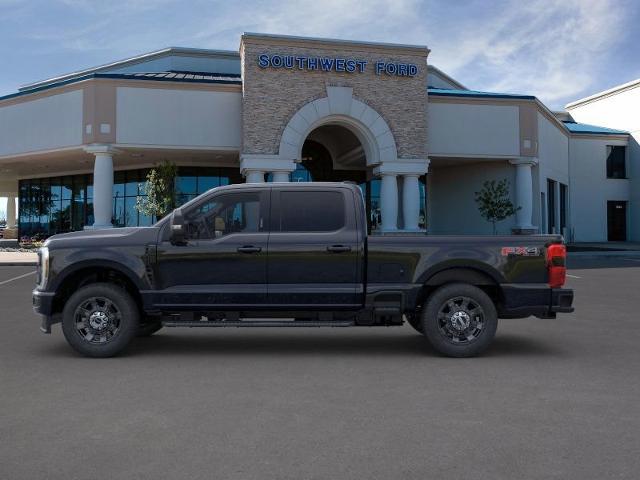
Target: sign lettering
<point>331,64</point>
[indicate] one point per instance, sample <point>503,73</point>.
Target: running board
<point>260,323</point>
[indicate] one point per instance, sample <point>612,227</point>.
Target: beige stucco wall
<point>50,122</point>
<point>184,118</point>
<point>272,96</point>
<point>459,129</point>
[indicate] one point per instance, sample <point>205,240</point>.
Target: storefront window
<point>62,204</point>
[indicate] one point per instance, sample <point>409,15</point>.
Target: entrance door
<point>617,221</point>
<point>223,263</point>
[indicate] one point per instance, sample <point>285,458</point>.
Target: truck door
<point>314,250</point>
<point>223,262</point>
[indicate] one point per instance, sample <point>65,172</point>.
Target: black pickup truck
<point>291,255</point>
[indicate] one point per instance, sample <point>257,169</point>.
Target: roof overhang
<point>605,93</point>
<point>145,57</point>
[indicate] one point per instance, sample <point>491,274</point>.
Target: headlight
<point>43,266</point>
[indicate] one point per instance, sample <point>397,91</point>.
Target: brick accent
<point>271,96</point>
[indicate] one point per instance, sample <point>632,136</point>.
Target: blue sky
<point>557,50</point>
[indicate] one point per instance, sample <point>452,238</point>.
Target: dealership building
<point>75,149</point>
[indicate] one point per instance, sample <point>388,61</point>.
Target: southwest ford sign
<point>331,64</point>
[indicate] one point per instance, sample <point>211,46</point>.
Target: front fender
<point>130,265</point>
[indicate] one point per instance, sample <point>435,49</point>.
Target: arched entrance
<point>339,138</point>
<point>333,153</point>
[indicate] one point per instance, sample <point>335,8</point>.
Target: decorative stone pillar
<point>410,202</point>
<point>280,176</point>
<point>254,176</point>
<point>254,166</point>
<point>524,195</point>
<point>11,212</point>
<point>389,202</point>
<point>410,170</point>
<point>11,232</point>
<point>102,185</point>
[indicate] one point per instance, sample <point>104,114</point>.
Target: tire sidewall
<point>129,320</point>
<point>430,320</point>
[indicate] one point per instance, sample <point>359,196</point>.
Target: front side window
<point>224,215</point>
<point>312,211</point>
<point>616,161</point>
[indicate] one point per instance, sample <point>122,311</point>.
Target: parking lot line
<point>573,276</point>
<point>17,278</point>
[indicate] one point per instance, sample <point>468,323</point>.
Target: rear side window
<point>311,211</point>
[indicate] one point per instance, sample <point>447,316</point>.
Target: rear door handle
<point>339,248</point>
<point>249,249</point>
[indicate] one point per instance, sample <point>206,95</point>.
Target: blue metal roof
<point>173,76</point>
<point>575,127</point>
<point>444,92</point>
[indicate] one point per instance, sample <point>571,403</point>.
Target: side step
<point>260,323</point>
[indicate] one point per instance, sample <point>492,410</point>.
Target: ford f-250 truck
<point>291,255</point>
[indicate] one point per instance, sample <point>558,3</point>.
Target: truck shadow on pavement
<point>170,344</point>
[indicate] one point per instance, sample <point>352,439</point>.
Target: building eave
<point>603,94</point>
<point>115,76</point>
<point>447,77</point>
<point>131,61</point>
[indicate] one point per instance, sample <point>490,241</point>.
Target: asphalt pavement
<point>550,399</point>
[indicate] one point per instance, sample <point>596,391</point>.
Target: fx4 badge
<point>521,251</point>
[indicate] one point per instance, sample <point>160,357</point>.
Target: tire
<point>416,322</point>
<point>459,320</point>
<point>100,320</point>
<point>148,328</point>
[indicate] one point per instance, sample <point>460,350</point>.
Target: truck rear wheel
<point>100,320</point>
<point>459,320</point>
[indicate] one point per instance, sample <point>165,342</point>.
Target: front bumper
<point>43,305</point>
<point>523,300</point>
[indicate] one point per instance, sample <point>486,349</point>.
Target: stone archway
<point>340,108</point>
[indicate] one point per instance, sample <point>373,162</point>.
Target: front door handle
<point>249,249</point>
<point>339,248</point>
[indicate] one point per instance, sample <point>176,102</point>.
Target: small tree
<point>494,203</point>
<point>160,194</point>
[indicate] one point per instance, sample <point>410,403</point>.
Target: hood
<point>105,237</point>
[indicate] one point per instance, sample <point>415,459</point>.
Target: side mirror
<point>176,224</point>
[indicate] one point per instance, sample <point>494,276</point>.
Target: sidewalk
<point>23,259</point>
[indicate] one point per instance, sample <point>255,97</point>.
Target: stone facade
<point>272,96</point>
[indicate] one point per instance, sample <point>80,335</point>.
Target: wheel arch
<point>94,271</point>
<point>476,274</point>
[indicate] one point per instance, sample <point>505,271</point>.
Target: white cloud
<point>548,48</point>
<point>551,48</point>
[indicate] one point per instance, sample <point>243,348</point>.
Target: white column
<point>524,192</point>
<point>280,176</point>
<point>102,185</point>
<point>410,201</point>
<point>389,202</point>
<point>254,176</point>
<point>11,212</point>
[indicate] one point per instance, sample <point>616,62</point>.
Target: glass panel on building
<point>616,161</point>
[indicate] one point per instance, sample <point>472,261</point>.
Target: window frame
<point>263,218</point>
<point>608,169</point>
<point>277,212</point>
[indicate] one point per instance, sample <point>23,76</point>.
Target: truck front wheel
<point>100,320</point>
<point>459,320</point>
